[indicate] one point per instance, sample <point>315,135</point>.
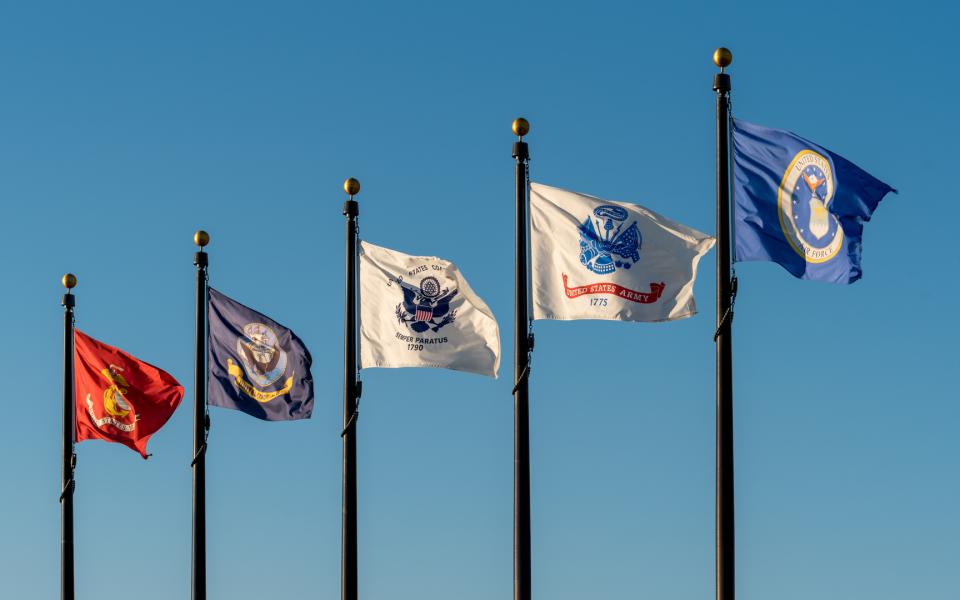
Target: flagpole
<point>725,549</point>
<point>521,366</point>
<point>69,458</point>
<point>201,425</point>
<point>351,392</point>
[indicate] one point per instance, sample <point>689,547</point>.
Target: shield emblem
<point>424,312</point>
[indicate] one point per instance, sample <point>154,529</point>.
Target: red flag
<point>119,398</point>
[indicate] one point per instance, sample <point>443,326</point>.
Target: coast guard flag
<point>256,365</point>
<point>419,311</point>
<point>799,205</point>
<point>119,398</point>
<point>597,259</point>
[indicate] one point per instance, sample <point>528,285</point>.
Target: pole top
<point>352,187</point>
<point>521,127</point>
<point>69,281</point>
<point>201,238</point>
<point>722,57</point>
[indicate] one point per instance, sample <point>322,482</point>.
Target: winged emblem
<point>615,248</point>
<point>426,308</point>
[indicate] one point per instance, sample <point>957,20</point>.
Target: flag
<point>120,398</point>
<point>598,259</point>
<point>419,311</point>
<point>799,205</point>
<point>256,365</point>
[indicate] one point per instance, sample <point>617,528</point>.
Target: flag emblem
<point>263,360</point>
<point>803,198</point>
<point>605,253</point>
<point>427,307</point>
<point>119,411</point>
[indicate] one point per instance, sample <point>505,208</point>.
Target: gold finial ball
<point>722,57</point>
<point>201,238</point>
<point>521,126</point>
<point>351,187</point>
<point>69,281</point>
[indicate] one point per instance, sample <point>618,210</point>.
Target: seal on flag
<point>115,404</point>
<point>615,248</point>
<point>262,358</point>
<point>427,307</point>
<point>805,192</point>
<point>264,362</point>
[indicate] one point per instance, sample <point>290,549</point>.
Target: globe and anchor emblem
<point>114,400</point>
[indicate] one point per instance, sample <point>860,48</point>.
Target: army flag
<point>119,397</point>
<point>598,259</point>
<point>799,205</point>
<point>256,365</point>
<point>419,311</point>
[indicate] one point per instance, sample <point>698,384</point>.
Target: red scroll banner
<point>656,289</point>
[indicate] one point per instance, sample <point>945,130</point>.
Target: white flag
<point>419,311</point>
<point>597,259</point>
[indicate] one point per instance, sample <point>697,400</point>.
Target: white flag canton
<point>598,259</point>
<point>419,311</point>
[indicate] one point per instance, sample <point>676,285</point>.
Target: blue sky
<point>127,127</point>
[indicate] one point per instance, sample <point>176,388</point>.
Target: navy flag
<point>799,205</point>
<point>256,365</point>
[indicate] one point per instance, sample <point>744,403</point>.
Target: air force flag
<point>419,311</point>
<point>598,259</point>
<point>256,365</point>
<point>799,205</point>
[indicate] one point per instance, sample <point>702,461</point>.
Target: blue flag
<point>256,365</point>
<point>799,205</point>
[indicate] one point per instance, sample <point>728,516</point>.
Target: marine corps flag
<point>598,259</point>
<point>256,365</point>
<point>419,311</point>
<point>120,398</point>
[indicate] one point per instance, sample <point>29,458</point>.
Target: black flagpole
<point>725,557</point>
<point>69,458</point>
<point>351,392</point>
<point>521,366</point>
<point>201,425</point>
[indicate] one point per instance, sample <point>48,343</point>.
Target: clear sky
<point>127,126</point>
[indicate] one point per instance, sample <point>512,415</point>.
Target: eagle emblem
<point>616,248</point>
<point>427,307</point>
